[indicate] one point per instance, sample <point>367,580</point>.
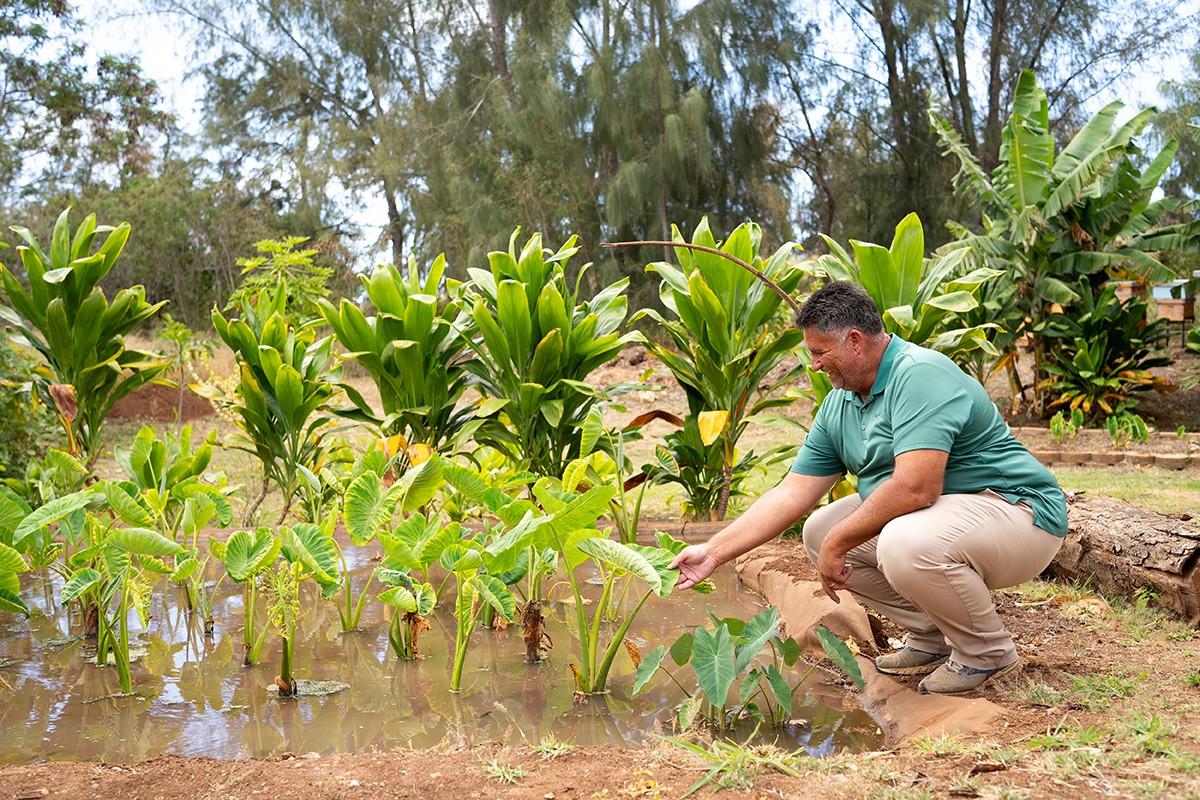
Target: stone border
<point>1114,455</point>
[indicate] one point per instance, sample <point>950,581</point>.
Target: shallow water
<point>192,696</point>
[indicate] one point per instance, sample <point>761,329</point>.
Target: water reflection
<point>193,697</point>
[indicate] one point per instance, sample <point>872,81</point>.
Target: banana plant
<point>66,316</point>
<point>918,297</point>
<point>1050,217</point>
<point>370,511</point>
<point>724,344</point>
<point>733,652</point>
<point>415,351</point>
<point>282,398</point>
<point>537,342</point>
<point>247,556</point>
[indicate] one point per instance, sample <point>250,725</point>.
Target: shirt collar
<point>885,365</point>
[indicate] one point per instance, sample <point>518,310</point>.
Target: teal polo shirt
<point>921,400</point>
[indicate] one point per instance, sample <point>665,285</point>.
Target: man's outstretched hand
<point>694,563</point>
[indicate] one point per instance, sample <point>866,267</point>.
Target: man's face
<point>833,354</point>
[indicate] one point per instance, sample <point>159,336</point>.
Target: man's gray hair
<point>840,306</point>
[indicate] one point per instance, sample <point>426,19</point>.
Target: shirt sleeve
<point>930,408</point>
<point>817,456</point>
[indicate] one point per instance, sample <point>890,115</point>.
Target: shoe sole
<point>908,672</point>
<point>1003,672</point>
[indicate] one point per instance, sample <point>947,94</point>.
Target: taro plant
<point>65,315</point>
<point>370,509</point>
<point>920,298</point>
<point>415,352</point>
<point>537,342</point>
<point>1066,426</point>
<point>750,654</point>
<point>115,569</point>
<point>247,556</point>
<point>281,400</point>
<point>475,588</point>
<point>1050,218</point>
<point>1124,427</point>
<point>725,345</point>
<point>308,553</point>
<point>411,603</point>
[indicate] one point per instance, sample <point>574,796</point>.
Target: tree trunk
<point>1121,549</point>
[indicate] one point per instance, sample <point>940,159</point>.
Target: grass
<point>550,748</point>
<point>1167,491</point>
<point>505,773</point>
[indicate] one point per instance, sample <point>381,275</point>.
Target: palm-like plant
<point>538,341</point>
<point>725,345</point>
<point>415,353</point>
<point>65,316</point>
<point>1050,218</point>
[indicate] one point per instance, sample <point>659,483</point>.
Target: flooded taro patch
<point>192,695</point>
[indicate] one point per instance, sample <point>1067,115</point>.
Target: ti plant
<point>725,343</point>
<point>415,354</point>
<point>732,652</point>
<point>67,318</point>
<point>538,340</point>
<point>918,297</point>
<point>286,383</point>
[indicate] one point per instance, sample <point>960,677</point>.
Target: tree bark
<point>1121,549</point>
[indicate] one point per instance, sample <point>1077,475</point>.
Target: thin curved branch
<point>704,249</point>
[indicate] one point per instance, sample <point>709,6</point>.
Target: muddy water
<point>193,697</point>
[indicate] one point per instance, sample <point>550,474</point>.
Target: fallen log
<point>1120,549</point>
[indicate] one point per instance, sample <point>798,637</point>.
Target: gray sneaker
<point>909,661</point>
<point>955,678</point>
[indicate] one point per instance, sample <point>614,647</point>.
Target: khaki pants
<point>931,571</point>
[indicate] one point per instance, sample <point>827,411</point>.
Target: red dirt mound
<point>157,403</point>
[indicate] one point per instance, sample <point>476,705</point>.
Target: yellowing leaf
<point>712,424</point>
<point>418,454</point>
<point>393,444</point>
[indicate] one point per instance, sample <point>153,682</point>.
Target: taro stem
<point>468,613</point>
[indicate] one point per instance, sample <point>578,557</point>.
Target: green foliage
<point>731,652</point>
<point>538,340</point>
<point>26,423</point>
<point>1125,427</point>
<point>281,264</point>
<point>1105,351</point>
<point>246,557</point>
<point>699,468</point>
<point>186,349</point>
<point>66,317</point>
<point>286,383</point>
<point>1066,427</point>
<point>921,299</point>
<point>1051,219</point>
<point>415,353</point>
<point>724,344</point>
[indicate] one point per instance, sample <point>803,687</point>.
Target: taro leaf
<point>57,509</point>
<point>839,652</point>
<point>11,560</point>
<point>184,570</point>
<point>426,598</point>
<point>367,508</point>
<point>315,549</point>
<point>399,552</point>
<point>623,557</point>
<point>791,651</point>
<point>748,686</point>
<point>495,594</point>
<point>11,601</point>
<point>648,667</point>
<point>400,597</point>
<point>689,711</point>
<point>79,582</point>
<point>125,506</point>
<point>144,542</point>
<point>754,636</point>
<point>155,565</point>
<point>681,651</point>
<point>458,557</point>
<point>475,487</point>
<point>417,486</point>
<point>249,554</point>
<point>780,688</point>
<point>712,661</point>
<point>221,504</point>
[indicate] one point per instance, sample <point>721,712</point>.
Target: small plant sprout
<point>550,747</point>
<point>1066,427</point>
<point>718,657</point>
<point>738,766</point>
<point>505,773</point>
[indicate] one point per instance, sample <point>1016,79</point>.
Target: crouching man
<point>949,504</point>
